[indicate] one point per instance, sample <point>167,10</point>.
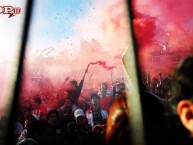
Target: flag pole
<point>10,138</point>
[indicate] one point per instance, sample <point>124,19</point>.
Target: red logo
<point>11,11</point>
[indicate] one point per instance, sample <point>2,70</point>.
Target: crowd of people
<point>158,85</point>
<point>103,116</point>
<point>65,115</point>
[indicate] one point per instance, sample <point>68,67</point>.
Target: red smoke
<point>118,56</point>
<point>144,30</point>
<point>103,64</point>
<point>164,31</point>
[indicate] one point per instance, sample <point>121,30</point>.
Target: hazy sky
<point>63,24</point>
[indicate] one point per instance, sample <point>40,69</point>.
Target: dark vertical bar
<point>134,100</point>
<point>10,140</point>
<point>131,15</point>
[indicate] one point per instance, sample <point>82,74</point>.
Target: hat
<point>79,112</point>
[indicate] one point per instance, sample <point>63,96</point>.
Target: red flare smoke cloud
<point>103,64</point>
<point>162,27</point>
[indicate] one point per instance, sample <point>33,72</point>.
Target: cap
<point>79,112</point>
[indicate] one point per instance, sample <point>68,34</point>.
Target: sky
<point>62,25</point>
<point>79,31</point>
<point>53,22</point>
